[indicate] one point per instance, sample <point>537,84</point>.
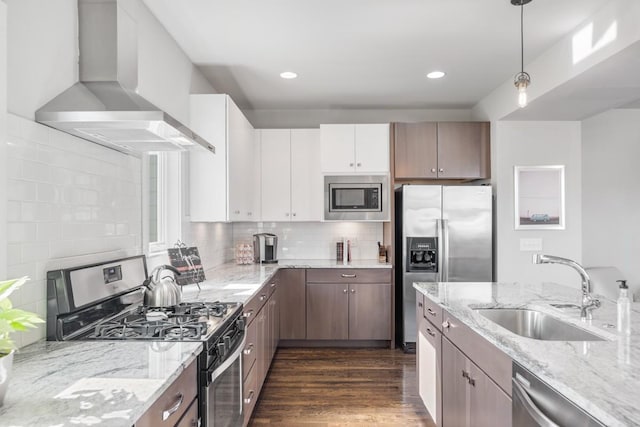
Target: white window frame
<point>169,203</point>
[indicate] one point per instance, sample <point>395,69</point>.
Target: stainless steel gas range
<point>105,302</point>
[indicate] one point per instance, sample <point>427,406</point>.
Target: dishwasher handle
<point>521,396</point>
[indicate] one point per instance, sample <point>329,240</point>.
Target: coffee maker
<point>265,248</point>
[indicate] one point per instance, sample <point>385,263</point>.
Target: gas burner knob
<point>240,324</point>
<point>222,349</point>
<point>227,341</point>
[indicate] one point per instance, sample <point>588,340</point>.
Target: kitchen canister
<point>244,253</point>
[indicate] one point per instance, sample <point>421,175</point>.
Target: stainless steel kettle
<point>162,291</point>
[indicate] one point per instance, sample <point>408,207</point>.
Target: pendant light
<point>522,79</point>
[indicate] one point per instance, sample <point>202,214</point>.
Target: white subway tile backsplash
<point>315,240</point>
<point>14,212</point>
<point>20,190</point>
<point>21,232</point>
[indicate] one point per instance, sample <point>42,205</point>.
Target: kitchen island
<point>110,384</point>
<point>601,377</point>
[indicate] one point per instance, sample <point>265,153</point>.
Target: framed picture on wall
<point>539,197</point>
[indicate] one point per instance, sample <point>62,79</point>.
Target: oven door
<point>223,395</point>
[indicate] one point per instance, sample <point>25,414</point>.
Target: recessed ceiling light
<point>436,74</point>
<point>288,75</point>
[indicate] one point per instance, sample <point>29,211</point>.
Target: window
<point>162,201</point>
<point>157,191</point>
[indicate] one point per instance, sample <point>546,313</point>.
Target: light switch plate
<point>530,245</point>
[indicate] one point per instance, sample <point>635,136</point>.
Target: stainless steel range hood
<point>103,107</point>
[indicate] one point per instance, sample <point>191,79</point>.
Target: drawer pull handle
<point>348,276</point>
<point>465,374</point>
<point>273,285</point>
<point>419,304</point>
<point>168,412</point>
<point>472,382</point>
<point>263,297</point>
<point>446,324</point>
<point>249,399</point>
<point>430,332</point>
<point>248,314</point>
<point>247,351</point>
<point>431,312</point>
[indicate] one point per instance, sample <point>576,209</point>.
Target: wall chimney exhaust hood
<point>104,107</point>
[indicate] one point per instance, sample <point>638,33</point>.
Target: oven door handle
<point>230,360</point>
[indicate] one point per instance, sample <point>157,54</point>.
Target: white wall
<point>285,119</point>
<point>610,189</point>
<point>535,144</point>
<point>3,135</point>
<point>315,240</point>
<point>43,57</point>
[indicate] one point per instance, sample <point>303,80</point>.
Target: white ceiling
<point>364,54</point>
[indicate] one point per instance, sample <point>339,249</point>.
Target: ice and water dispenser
<point>422,254</point>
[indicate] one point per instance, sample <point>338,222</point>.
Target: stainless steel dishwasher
<point>536,404</point>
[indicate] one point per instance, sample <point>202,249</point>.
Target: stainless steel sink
<point>537,325</point>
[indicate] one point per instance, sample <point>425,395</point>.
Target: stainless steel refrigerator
<point>443,234</point>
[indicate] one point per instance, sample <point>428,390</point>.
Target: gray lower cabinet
<point>369,311</point>
<point>469,397</point>
<point>171,408</point>
<point>292,295</point>
<point>327,311</point>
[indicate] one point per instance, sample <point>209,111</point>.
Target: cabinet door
<point>292,296</point>
<point>372,148</point>
<point>208,173</point>
<point>370,311</point>
<point>463,150</point>
<point>454,386</point>
<point>263,346</point>
<point>429,352</point>
<point>337,150</point>
<point>307,194</point>
<point>276,174</point>
<point>190,418</point>
<point>489,406</point>
<point>240,135</point>
<point>416,150</point>
<point>327,311</point>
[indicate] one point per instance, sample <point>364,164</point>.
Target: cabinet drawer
<point>432,312</point>
<point>484,354</point>
<point>250,394</point>
<point>169,408</point>
<point>250,348</point>
<point>190,418</point>
<point>253,306</point>
<point>348,275</point>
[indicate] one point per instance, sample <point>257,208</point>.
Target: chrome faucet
<point>589,303</point>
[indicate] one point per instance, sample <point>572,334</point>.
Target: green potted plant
<point>11,320</point>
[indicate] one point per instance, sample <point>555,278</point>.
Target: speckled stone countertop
<point>106,384</point>
<point>238,283</point>
<point>602,377</point>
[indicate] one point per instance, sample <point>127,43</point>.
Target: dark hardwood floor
<point>323,387</point>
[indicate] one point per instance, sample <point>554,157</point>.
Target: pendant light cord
<point>522,36</point>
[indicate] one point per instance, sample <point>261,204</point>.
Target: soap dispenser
<point>624,309</point>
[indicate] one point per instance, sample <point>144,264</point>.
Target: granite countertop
<point>107,384</point>
<point>231,282</point>
<point>602,377</point>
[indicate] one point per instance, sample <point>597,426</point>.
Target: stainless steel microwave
<point>356,198</point>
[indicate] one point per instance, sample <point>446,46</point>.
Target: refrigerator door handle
<point>441,271</point>
<point>445,247</point>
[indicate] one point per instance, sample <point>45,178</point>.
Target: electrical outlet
<point>530,245</point>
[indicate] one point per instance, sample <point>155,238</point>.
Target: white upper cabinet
<point>354,149</point>
<point>307,195</point>
<point>291,178</point>
<point>223,186</point>
<point>275,146</point>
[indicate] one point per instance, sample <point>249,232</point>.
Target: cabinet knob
<point>294,214</point>
<point>419,304</point>
<point>351,165</point>
<point>440,170</point>
<point>249,399</point>
<point>353,291</point>
<point>431,312</point>
<point>359,164</point>
<point>433,170</point>
<point>344,291</point>
<point>446,324</point>
<point>263,297</point>
<point>430,332</point>
<point>249,213</point>
<point>273,285</point>
<point>287,214</point>
<point>236,212</point>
